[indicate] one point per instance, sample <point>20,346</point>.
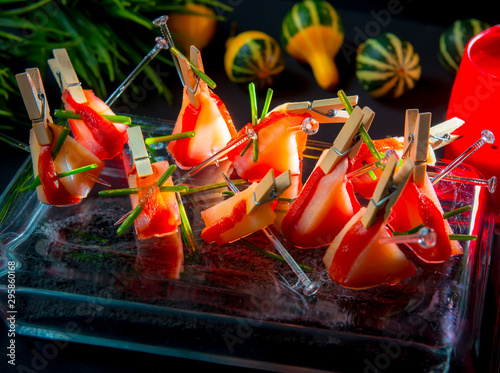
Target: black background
<point>420,22</point>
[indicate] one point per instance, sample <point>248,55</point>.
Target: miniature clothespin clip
<point>441,134</point>
<point>329,110</point>
<point>347,141</point>
<point>139,152</point>
<point>389,188</point>
<point>65,75</point>
<point>268,189</point>
<point>416,142</point>
<point>33,93</point>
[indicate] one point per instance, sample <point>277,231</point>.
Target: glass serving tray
<point>77,280</point>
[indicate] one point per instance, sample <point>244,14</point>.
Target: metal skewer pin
<point>310,287</point>
<point>425,237</point>
<point>486,137</point>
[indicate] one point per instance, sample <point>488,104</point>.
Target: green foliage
<point>105,40</point>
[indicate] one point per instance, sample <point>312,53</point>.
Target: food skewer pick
<point>249,134</point>
<point>370,167</point>
<point>491,183</point>
<point>310,287</point>
<point>161,43</point>
<point>486,137</point>
<point>425,237</point>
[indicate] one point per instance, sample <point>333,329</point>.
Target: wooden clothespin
<point>441,134</point>
<point>65,75</point>
<point>369,114</point>
<point>389,188</point>
<point>344,141</point>
<point>329,110</point>
<point>139,152</point>
<point>33,93</point>
<point>188,77</point>
<point>416,142</point>
<point>195,58</point>
<point>268,189</point>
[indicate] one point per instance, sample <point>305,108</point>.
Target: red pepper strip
<point>180,148</point>
<point>361,262</point>
<point>213,232</point>
<point>103,131</point>
<point>156,218</point>
<point>55,192</point>
<point>352,245</point>
<point>414,198</point>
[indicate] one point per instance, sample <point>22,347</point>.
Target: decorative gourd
<point>454,39</point>
<point>387,66</point>
<point>312,33</point>
<point>192,24</point>
<point>253,56</point>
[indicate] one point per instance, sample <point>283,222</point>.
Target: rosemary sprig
<point>362,130</point>
<point>267,103</point>
<point>168,138</point>
<point>69,114</point>
<point>197,71</point>
<point>186,231</point>
<point>75,171</point>
<point>253,103</point>
<point>212,186</point>
<point>60,140</point>
<point>128,191</point>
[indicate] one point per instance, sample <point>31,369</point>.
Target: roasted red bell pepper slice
<point>55,192</point>
<point>160,212</point>
<point>211,123</point>
<point>415,207</point>
<point>334,204</point>
<point>360,261</point>
<point>108,141</point>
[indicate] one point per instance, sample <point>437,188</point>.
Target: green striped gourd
<point>253,56</point>
<point>387,66</point>
<point>312,33</point>
<point>453,40</point>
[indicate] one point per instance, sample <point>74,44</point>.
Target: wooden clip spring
<point>139,152</point>
<point>189,79</point>
<point>441,134</point>
<point>344,141</point>
<point>269,189</point>
<point>33,93</point>
<point>389,188</point>
<point>324,111</point>
<point>65,75</point>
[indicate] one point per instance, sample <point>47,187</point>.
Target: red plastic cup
<point>475,98</point>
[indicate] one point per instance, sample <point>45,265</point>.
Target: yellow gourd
<point>312,33</point>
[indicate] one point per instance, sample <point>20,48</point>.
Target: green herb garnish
<point>168,138</point>
<point>272,255</point>
<point>75,171</point>
<point>69,114</point>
